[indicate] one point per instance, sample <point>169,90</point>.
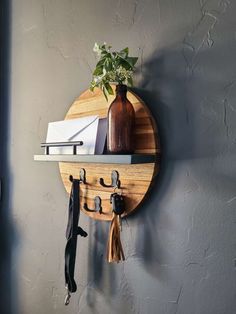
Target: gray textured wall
<point>181,246</point>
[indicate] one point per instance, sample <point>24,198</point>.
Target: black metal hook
<point>115,182</point>
<point>71,178</point>
<point>82,176</point>
<point>97,203</point>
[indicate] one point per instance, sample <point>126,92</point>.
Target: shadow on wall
<point>104,278</point>
<point>6,239</point>
<point>164,87</point>
<point>190,110</point>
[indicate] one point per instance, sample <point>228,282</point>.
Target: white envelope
<point>90,130</point>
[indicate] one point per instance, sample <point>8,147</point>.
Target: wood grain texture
<point>135,179</point>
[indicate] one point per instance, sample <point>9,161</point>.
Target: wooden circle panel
<point>135,179</point>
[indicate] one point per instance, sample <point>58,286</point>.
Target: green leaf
<point>108,64</point>
<point>113,55</point>
<point>103,47</point>
<point>124,52</point>
<point>109,89</point>
<point>132,60</point>
<point>125,64</point>
<point>105,92</point>
<point>98,71</point>
<point>101,62</point>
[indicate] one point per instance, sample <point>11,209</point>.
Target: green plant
<point>112,67</point>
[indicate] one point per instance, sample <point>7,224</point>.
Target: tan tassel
<point>115,251</point>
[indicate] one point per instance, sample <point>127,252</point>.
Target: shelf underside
<point>106,159</point>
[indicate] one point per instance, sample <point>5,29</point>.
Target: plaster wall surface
<point>180,247</point>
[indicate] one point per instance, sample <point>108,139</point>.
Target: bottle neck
<point>121,91</point>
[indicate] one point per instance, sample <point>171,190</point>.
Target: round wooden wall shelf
<point>136,179</point>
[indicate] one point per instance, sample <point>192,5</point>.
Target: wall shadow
<point>97,264</point>
<point>7,301</point>
<point>193,123</point>
<point>164,88</point>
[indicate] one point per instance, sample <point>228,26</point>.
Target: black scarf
<point>72,231</point>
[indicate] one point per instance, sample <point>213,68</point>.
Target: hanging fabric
<point>115,251</point>
<point>72,231</point>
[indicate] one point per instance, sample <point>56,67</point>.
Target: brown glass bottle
<point>121,122</point>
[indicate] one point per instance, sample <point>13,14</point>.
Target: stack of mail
<point>91,130</point>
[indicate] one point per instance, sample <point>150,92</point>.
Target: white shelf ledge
<point>106,159</point>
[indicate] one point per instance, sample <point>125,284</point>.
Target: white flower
<point>96,47</point>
